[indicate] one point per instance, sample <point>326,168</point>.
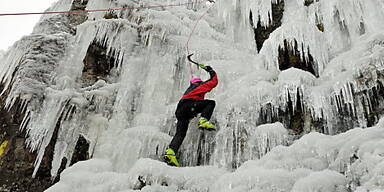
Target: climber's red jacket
<point>198,90</point>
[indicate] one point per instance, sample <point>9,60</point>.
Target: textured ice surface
<point>2,52</point>
<point>313,163</point>
<point>146,174</point>
<point>129,114</point>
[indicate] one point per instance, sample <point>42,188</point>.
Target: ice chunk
<point>123,148</point>
<point>308,38</point>
<point>152,172</point>
<point>293,82</point>
<point>321,182</point>
<point>244,142</point>
<point>252,178</point>
<point>99,171</point>
<point>266,137</point>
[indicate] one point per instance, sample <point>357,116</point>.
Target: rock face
<point>97,64</point>
<point>16,164</point>
<point>17,161</point>
<point>262,33</point>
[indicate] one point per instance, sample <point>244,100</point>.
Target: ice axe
<point>198,64</point>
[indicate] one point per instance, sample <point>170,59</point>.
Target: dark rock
<point>289,56</point>
<point>81,151</point>
<point>78,18</point>
<point>262,33</point>
<point>110,15</point>
<point>16,165</point>
<point>97,64</point>
<point>308,2</point>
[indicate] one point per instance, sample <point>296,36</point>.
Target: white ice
<point>129,115</point>
<point>313,163</point>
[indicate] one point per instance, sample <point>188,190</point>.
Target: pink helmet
<point>195,80</point>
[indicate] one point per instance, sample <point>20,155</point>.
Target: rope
<point>95,10</point>
<point>193,30</point>
<point>126,8</point>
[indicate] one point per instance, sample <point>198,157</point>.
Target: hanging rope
<point>95,10</point>
<point>193,30</point>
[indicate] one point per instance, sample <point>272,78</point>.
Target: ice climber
<point>191,104</point>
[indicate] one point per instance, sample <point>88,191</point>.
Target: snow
<point>155,174</point>
<point>313,163</point>
<point>321,181</point>
<point>128,116</point>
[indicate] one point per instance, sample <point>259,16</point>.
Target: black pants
<point>186,110</point>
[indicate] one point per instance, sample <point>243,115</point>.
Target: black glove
<point>208,68</point>
<point>210,71</point>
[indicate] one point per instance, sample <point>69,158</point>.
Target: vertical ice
<point>129,113</point>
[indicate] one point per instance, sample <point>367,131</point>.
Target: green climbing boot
<point>170,158</point>
<point>205,124</point>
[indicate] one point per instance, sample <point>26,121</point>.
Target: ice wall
<point>2,52</point>
<point>129,113</point>
<point>145,46</point>
<point>326,31</point>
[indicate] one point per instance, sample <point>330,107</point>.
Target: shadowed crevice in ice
<point>289,56</point>
<point>275,20</point>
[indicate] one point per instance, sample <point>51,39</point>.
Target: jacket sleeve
<point>213,81</point>
<point>207,86</point>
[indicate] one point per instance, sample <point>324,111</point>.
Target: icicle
<point>265,137</point>
<point>302,34</point>
<point>292,82</point>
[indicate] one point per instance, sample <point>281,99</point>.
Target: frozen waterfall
<point>116,82</point>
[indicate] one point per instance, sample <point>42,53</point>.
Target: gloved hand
<point>202,66</point>
<point>208,68</point>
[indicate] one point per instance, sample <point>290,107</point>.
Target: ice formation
<point>2,53</point>
<point>316,162</point>
<point>127,115</point>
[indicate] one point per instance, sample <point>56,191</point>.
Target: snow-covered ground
<point>128,116</point>
<point>314,163</point>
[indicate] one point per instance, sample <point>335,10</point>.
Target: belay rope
<point>190,36</point>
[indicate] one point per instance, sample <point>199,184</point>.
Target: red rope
<point>94,10</point>
<point>193,30</point>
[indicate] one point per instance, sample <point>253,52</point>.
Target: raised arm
<point>211,82</point>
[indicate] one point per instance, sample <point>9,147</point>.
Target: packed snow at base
<point>313,163</point>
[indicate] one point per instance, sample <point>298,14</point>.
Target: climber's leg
<point>205,107</point>
<point>181,131</point>
<point>183,115</point>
